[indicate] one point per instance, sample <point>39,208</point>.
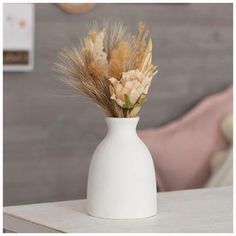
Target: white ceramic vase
<point>121,182</point>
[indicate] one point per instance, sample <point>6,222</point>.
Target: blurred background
<point>50,132</point>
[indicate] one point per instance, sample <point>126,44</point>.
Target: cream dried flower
<point>132,85</point>
<point>130,90</point>
<point>95,44</point>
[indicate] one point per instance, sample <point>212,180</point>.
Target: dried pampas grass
<point>111,67</point>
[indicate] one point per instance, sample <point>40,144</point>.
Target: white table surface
<point>200,210</point>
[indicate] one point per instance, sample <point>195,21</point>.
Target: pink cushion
<point>181,150</point>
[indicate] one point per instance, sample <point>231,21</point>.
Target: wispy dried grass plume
<point>111,67</point>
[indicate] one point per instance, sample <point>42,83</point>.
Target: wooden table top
<point>200,210</point>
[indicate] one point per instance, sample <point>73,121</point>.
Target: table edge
<point>9,221</point>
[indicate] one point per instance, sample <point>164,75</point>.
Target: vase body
<point>121,181</point>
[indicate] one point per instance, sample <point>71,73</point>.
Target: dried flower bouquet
<point>111,67</point>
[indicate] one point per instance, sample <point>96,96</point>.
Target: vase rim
<point>122,118</point>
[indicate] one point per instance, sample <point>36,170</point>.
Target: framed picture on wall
<point>18,37</point>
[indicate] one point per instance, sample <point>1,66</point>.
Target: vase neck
<point>123,126</point>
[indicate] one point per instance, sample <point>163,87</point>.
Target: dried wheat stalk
<point>111,67</point>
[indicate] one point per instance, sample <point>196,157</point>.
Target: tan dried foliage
<point>104,53</point>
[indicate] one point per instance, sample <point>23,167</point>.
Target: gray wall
<point>50,132</point>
